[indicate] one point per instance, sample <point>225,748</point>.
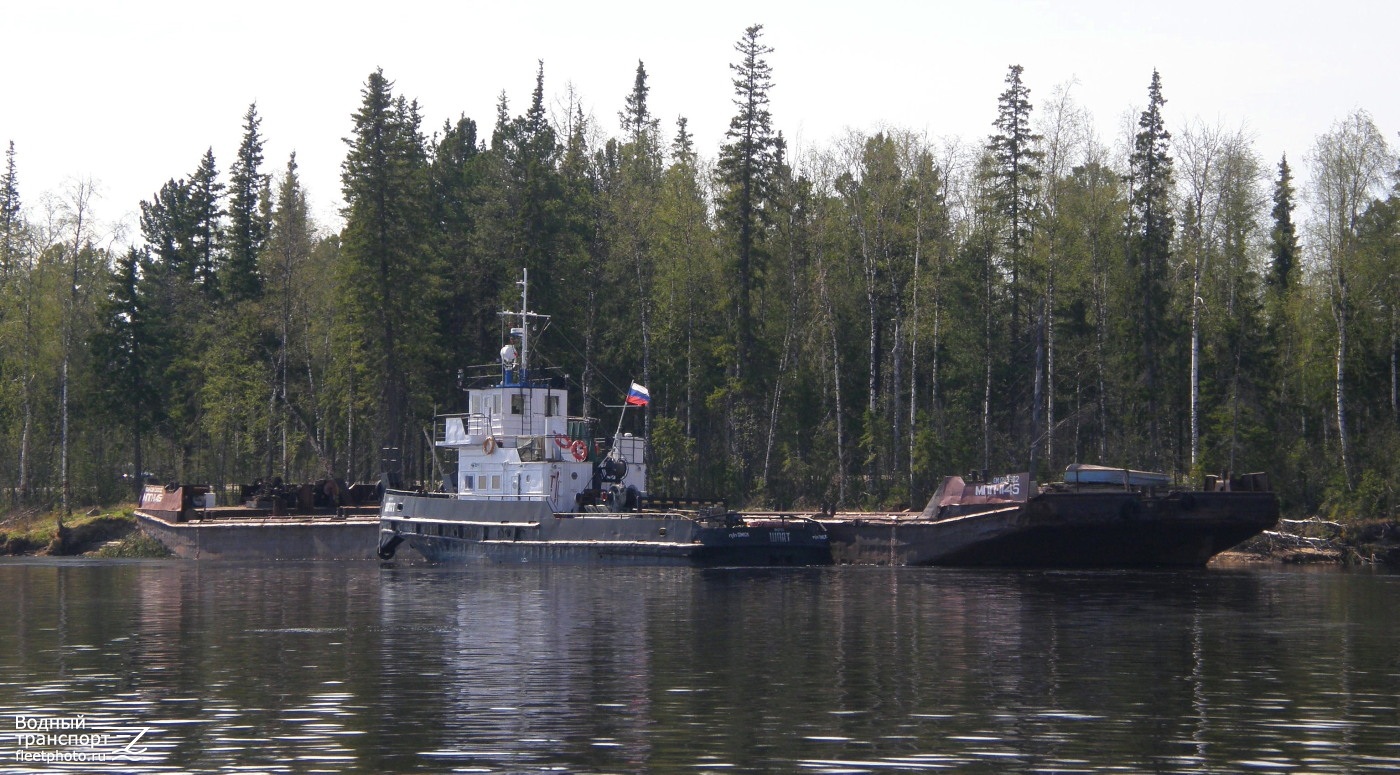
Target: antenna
<point>509,354</point>
<point>524,329</point>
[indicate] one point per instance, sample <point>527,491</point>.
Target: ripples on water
<point>334,667</point>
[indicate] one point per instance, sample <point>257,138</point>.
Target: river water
<point>176,666</point>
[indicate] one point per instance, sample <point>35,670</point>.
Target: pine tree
<point>1149,246</point>
<point>248,226</point>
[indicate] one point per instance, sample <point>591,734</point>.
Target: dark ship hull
<point>450,530</point>
<point>1063,528</point>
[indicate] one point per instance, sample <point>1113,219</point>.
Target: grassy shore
<point>111,532</point>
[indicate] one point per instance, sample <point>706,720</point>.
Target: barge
<point>1097,517</point>
<point>313,523</point>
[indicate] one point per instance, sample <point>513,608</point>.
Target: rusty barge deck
<point>232,533</point>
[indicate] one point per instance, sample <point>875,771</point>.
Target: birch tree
<point>1349,164</point>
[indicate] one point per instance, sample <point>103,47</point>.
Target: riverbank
<point>1319,541</point>
<point>111,532</point>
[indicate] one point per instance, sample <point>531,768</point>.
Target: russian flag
<point>638,395</point>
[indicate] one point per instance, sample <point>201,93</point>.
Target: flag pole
<point>636,395</point>
<point>618,433</point>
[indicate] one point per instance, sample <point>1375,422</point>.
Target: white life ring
<point>489,446</point>
<point>579,449</point>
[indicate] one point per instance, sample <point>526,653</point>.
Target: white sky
<point>130,94</point>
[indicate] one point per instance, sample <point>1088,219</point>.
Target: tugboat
<point>533,484</point>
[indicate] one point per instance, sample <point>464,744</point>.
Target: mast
<point>524,329</point>
<point>510,358</point>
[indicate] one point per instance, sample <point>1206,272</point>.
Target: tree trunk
<point>987,366</point>
<point>1050,363</point>
<point>834,341</point>
<point>873,386</point>
<point>67,506</point>
<point>913,365</point>
<point>350,429</point>
<point>1235,406</point>
<point>1196,363</point>
<point>27,391</point>
<point>1101,313</point>
<point>1394,369</point>
<point>1340,312</point>
<point>1036,396</point>
<point>896,408</point>
<point>139,475</point>
<point>24,437</point>
<point>933,360</point>
<point>644,295</point>
<point>776,405</point>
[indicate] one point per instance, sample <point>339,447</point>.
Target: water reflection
<point>303,667</point>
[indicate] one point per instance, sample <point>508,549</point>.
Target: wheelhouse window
<point>488,404</point>
<point>517,404</point>
<point>551,406</point>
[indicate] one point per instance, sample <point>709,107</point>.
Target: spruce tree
<point>1015,186</point>
<point>247,221</point>
<point>459,175</point>
<point>635,116</point>
<point>1015,179</point>
<point>1283,238</point>
<point>745,170</point>
<point>288,251</point>
<point>527,200</point>
<point>387,273</point>
<point>177,283</point>
<point>746,176</point>
<point>206,213</point>
<point>121,350</point>
<point>683,144</point>
<point>9,214</point>
<point>1149,246</point>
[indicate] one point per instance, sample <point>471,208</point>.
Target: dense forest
<point>839,326</point>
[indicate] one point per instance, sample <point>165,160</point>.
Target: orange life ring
<point>579,449</point>
<point>489,446</point>
<point>562,441</point>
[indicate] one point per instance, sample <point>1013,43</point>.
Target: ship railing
<point>475,495</point>
<point>779,516</point>
<point>464,428</point>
